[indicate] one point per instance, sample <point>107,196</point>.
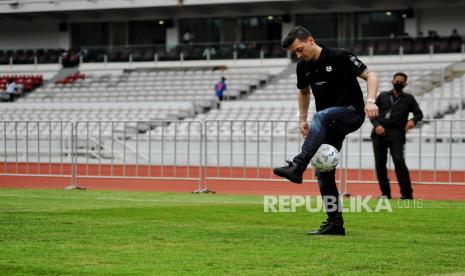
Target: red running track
<point>124,178</point>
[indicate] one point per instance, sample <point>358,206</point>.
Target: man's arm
<point>374,121</point>
<point>417,115</point>
<point>304,103</point>
<point>379,129</point>
<point>371,109</point>
<point>415,109</point>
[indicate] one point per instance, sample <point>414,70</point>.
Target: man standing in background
<point>389,130</point>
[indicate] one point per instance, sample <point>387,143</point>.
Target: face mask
<point>398,87</point>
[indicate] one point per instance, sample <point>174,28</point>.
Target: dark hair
<point>297,32</point>
<point>223,78</point>
<point>402,74</point>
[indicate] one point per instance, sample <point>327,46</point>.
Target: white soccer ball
<point>325,159</point>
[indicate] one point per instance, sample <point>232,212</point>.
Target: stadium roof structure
<point>173,7</point>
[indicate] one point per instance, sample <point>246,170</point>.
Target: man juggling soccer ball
<point>332,76</point>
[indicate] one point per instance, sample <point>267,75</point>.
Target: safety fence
<point>163,150</point>
<point>36,148</point>
<point>202,153</point>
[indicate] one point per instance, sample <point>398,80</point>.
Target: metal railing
<point>138,150</point>
<point>213,150</point>
<point>249,150</point>
<point>36,148</point>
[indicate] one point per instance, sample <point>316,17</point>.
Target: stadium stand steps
<point>288,71</point>
<point>150,85</point>
<point>61,74</point>
<point>433,80</point>
<point>455,70</point>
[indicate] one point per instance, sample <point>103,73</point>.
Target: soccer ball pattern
<point>325,159</point>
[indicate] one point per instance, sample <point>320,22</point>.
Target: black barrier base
<point>203,191</point>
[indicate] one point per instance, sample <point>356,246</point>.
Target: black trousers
<point>329,126</point>
<point>396,148</point>
<point>327,180</point>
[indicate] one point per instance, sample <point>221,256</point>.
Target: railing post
<point>73,153</point>
<point>370,51</point>
<point>72,164</point>
<point>202,176</point>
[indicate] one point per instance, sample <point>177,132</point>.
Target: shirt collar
<point>323,54</point>
<point>401,94</point>
<point>321,58</point>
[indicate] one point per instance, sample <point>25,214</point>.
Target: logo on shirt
<point>329,68</point>
<point>355,60</point>
<point>308,73</point>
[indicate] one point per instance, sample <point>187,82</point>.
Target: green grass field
<point>106,232</point>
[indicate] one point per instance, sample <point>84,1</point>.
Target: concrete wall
<point>32,35</point>
<point>441,20</point>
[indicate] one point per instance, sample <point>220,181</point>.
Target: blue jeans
<point>329,126</point>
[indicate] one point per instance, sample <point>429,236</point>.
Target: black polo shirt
<point>394,113</point>
<point>333,79</point>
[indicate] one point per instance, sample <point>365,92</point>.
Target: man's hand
<point>410,124</point>
<point>304,129</point>
<point>371,110</point>
<point>380,130</point>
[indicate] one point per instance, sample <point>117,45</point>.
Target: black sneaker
<point>292,172</point>
<point>330,227</point>
<point>406,197</point>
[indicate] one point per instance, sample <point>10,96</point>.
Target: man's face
<point>400,80</point>
<point>398,83</point>
<point>302,49</point>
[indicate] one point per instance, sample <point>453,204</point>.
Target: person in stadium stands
<point>331,75</point>
<point>455,41</point>
<point>433,37</point>
<point>389,133</point>
<point>455,35</point>
<point>65,59</point>
<point>188,37</point>
<point>209,52</point>
<point>11,89</point>
<point>220,87</point>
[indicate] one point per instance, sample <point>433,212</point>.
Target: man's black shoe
<point>385,196</point>
<point>292,172</point>
<point>330,227</point>
<point>406,197</point>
